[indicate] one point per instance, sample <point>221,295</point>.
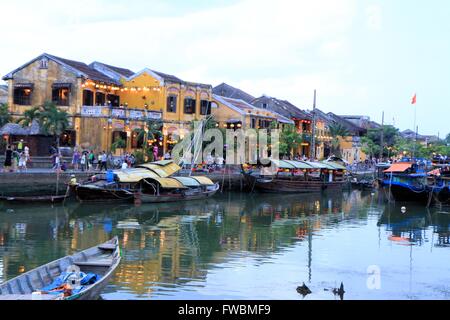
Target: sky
<point>362,56</point>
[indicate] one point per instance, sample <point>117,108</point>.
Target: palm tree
<point>28,117</point>
<point>337,131</point>
<point>53,121</point>
<point>5,115</point>
<point>152,133</point>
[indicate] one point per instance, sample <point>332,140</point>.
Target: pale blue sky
<point>363,56</point>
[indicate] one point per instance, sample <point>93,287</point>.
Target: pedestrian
<point>15,160</point>
<point>124,165</point>
<point>76,159</point>
<point>57,162</point>
<point>83,161</point>
<point>8,159</point>
<point>22,162</point>
<point>103,159</point>
<point>20,146</point>
<point>91,160</point>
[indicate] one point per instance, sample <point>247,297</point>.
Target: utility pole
<point>382,138</point>
<point>313,137</point>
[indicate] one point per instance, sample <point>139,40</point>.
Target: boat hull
<point>86,194</point>
<point>405,193</point>
<point>287,186</point>
<point>147,198</point>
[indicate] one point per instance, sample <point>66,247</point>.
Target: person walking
<point>22,162</point>
<point>83,161</point>
<point>76,160</point>
<point>103,161</point>
<point>8,159</point>
<point>91,160</point>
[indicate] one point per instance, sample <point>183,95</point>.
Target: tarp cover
<point>399,167</point>
<point>134,175</point>
<point>205,181</point>
<point>169,183</point>
<point>164,169</point>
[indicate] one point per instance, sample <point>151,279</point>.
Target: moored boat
<point>82,276</point>
<point>286,176</point>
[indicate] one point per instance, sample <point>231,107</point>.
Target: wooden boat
<point>285,176</point>
<point>407,183</point>
<point>35,199</point>
<point>101,260</point>
<point>148,183</point>
<point>176,189</point>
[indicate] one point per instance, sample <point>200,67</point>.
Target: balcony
<point>120,113</point>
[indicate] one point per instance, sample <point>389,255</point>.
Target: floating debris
<point>304,290</point>
<point>339,292</point>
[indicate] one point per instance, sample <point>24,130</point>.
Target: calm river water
<point>240,246</point>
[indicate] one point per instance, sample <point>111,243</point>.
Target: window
<point>22,96</point>
<point>60,96</point>
<point>68,138</point>
<point>119,135</point>
<point>253,123</point>
<point>43,63</point>
<point>264,105</point>
<point>205,107</point>
<point>88,98</point>
<point>172,104</point>
<point>114,99</point>
<point>189,106</point>
<point>100,99</point>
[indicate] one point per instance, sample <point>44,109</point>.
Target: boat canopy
<point>399,167</point>
<point>205,181</point>
<point>169,183</point>
<point>188,181</point>
<point>289,164</point>
<point>164,169</point>
<point>134,175</point>
<point>334,165</point>
<point>318,165</point>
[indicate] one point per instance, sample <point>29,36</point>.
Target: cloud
<point>374,15</point>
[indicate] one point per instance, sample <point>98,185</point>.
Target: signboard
<point>154,115</point>
<point>91,111</point>
<point>135,114</point>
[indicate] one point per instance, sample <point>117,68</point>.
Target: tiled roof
<point>122,71</point>
<point>226,90</point>
<point>283,107</point>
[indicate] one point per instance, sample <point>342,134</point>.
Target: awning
<point>169,183</point>
<point>299,164</point>
<point>24,85</point>
<point>188,181</point>
<point>399,167</point>
<point>61,85</point>
<point>134,175</point>
<point>204,181</point>
<point>334,165</point>
<point>319,165</point>
<point>164,169</point>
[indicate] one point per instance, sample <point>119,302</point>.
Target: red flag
<point>414,99</point>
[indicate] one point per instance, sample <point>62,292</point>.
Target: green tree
<point>290,139</point>
<point>447,139</point>
<point>118,144</point>
<point>5,115</point>
<point>372,141</point>
<point>152,132</point>
<point>337,131</point>
<point>52,121</point>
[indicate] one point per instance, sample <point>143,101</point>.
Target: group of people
<point>17,159</point>
<point>86,160</point>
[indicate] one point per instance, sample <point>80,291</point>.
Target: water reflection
<point>236,245</point>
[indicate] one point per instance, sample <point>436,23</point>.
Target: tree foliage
<point>5,115</point>
<point>337,131</point>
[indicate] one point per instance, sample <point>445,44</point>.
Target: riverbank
<point>46,181</point>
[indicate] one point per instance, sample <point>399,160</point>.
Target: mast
<point>382,138</point>
<point>313,138</point>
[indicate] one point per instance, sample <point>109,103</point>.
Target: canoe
<point>38,199</point>
<point>100,261</point>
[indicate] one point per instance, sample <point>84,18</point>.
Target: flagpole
<point>414,128</point>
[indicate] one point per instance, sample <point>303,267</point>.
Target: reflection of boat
<point>285,176</point>
<point>152,183</point>
<point>128,224</point>
<point>100,262</point>
<point>36,199</point>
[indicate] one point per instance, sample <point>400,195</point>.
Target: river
<point>240,246</point>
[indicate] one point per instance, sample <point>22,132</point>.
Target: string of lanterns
<point>90,83</point>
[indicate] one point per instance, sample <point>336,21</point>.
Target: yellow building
<point>235,114</point>
<point>106,103</point>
